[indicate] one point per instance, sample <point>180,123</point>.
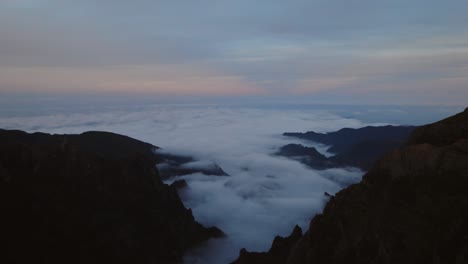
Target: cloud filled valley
<point>263,196</point>
<point>242,132</point>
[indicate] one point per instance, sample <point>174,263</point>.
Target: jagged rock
<point>90,198</point>
<point>411,207</point>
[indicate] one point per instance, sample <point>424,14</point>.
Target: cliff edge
<point>90,198</point>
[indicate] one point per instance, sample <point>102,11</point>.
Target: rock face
<point>411,207</point>
<point>353,147</point>
<point>90,198</point>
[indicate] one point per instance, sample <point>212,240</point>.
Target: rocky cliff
<point>90,198</point>
<point>411,207</point>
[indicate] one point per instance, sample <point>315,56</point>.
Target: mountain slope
<point>90,198</point>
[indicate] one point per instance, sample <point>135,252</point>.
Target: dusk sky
<point>394,51</point>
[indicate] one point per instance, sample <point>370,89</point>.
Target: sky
<point>366,51</point>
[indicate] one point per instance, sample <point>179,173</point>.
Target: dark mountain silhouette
<point>353,147</point>
<point>179,184</point>
<point>90,198</point>
<point>171,165</point>
<point>307,155</point>
<point>411,207</point>
<point>278,253</point>
<point>345,138</point>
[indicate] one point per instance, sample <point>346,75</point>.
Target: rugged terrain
<point>411,207</point>
<point>90,198</point>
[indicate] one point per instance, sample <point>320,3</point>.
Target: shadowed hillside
<point>90,198</point>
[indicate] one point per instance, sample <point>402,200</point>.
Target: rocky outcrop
<point>90,198</point>
<point>353,147</point>
<point>411,207</point>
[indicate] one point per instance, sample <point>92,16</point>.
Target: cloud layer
<point>264,195</point>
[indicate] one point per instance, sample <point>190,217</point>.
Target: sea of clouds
<point>264,196</point>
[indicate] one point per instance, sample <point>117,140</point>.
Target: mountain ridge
<point>359,147</point>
